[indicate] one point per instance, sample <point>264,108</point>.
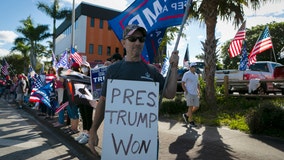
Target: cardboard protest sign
<point>131,120</point>
<point>97,80</point>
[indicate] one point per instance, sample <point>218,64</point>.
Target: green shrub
<point>266,119</point>
<point>174,106</point>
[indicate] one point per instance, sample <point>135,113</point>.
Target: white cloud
<point>4,52</point>
<point>7,37</point>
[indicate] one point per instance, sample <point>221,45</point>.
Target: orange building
<point>93,38</point>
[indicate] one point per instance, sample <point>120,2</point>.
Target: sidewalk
<point>205,143</point>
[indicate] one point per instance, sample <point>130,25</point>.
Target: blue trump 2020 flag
<point>244,58</point>
<point>153,16</point>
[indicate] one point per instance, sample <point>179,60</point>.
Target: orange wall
<point>104,37</point>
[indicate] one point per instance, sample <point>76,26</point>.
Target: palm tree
<point>54,12</point>
<point>24,49</point>
<point>31,36</point>
<point>208,11</point>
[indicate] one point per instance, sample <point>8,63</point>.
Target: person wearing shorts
<point>191,87</point>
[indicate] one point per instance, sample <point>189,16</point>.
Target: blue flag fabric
<point>63,61</point>
<point>153,16</point>
<point>244,59</point>
<point>152,44</point>
<point>43,93</point>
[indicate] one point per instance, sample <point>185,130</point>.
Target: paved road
<point>177,142</point>
<point>24,136</point>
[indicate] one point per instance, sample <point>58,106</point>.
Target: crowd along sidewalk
<point>179,142</point>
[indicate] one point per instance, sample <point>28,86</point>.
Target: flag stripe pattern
<point>76,57</point>
<point>236,44</point>
<point>37,83</point>
<point>5,67</point>
<point>263,43</point>
<point>63,106</point>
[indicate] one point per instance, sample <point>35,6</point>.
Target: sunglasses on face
<point>134,39</point>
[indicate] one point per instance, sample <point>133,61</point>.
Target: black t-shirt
<point>136,71</point>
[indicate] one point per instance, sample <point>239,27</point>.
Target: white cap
<point>192,64</point>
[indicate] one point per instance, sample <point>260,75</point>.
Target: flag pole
<point>272,46</point>
<point>189,2</point>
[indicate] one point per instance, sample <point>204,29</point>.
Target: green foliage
<point>174,106</point>
<point>247,115</point>
<point>266,119</point>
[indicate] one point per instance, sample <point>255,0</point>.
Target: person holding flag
<point>133,68</point>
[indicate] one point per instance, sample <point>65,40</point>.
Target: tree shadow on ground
<point>210,147</point>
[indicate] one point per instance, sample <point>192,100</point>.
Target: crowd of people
<point>18,88</point>
<point>129,67</point>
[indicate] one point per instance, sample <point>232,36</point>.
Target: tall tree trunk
<point>209,8</point>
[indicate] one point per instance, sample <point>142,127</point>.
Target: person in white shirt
<point>191,87</point>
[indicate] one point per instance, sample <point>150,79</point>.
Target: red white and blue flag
<point>236,44</point>
<point>262,44</point>
<point>76,56</point>
<point>44,92</point>
<point>5,67</point>
<point>37,83</point>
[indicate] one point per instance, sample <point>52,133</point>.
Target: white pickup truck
<point>259,70</point>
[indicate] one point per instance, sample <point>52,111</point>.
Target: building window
<point>101,23</point>
<point>116,50</point>
<point>91,48</point>
<point>100,50</point>
<point>92,22</point>
<point>108,50</point>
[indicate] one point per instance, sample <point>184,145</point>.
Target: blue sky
<point>13,11</point>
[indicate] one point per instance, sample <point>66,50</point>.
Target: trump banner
<point>154,16</point>
<point>149,14</point>
<point>97,80</point>
<point>131,120</point>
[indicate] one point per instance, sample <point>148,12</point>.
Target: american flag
<point>37,83</point>
<point>5,67</point>
<point>236,44</point>
<point>31,72</point>
<point>263,43</point>
<point>76,56</point>
<point>244,59</point>
<point>43,93</point>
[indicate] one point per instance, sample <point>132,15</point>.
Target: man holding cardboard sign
<point>127,75</point>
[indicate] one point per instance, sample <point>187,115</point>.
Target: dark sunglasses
<point>134,39</point>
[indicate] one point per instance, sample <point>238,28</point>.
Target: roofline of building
<point>89,10</point>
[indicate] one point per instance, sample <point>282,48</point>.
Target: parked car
<point>260,70</point>
<point>278,74</point>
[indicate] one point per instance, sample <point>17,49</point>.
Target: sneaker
<point>192,124</point>
<point>185,118</point>
<point>84,140</point>
<point>79,137</point>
